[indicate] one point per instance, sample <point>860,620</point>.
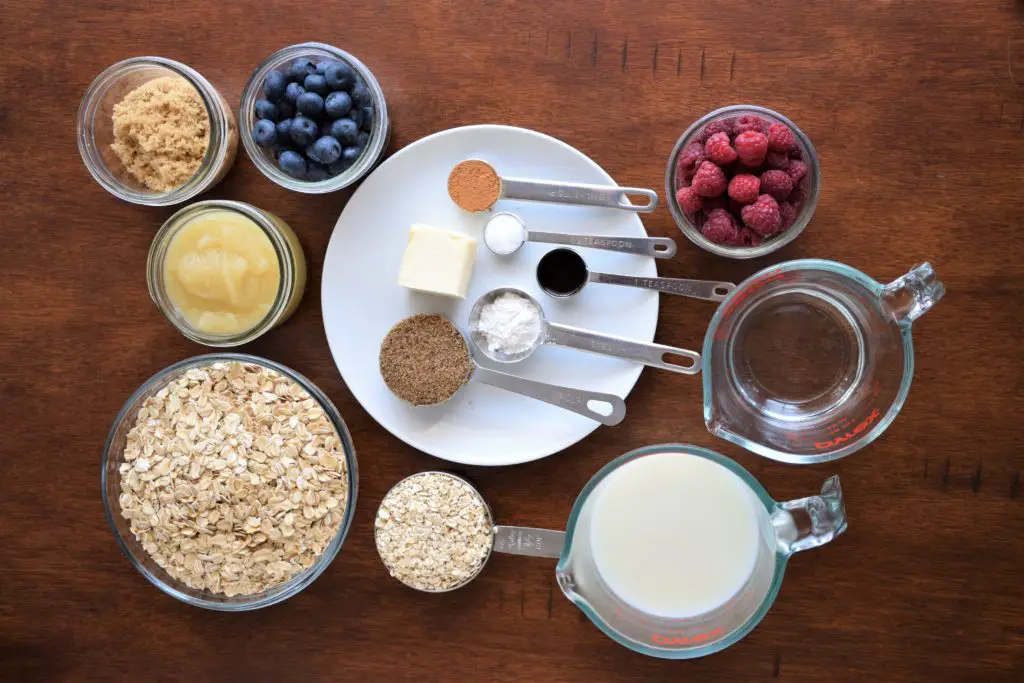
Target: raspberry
<point>750,237</point>
<point>709,181</point>
<point>763,216</point>
<point>751,147</point>
<point>692,156</point>
<point>796,154</point>
<point>750,122</point>
<point>781,138</point>
<point>796,170</point>
<point>689,200</point>
<point>744,188</point>
<point>777,160</point>
<point>788,214</point>
<point>719,150</point>
<point>715,127</point>
<point>776,183</point>
<point>721,227</point>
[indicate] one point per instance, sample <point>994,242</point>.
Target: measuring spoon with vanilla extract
<point>562,273</point>
<point>474,185</point>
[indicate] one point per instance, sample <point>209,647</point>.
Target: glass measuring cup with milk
<point>676,551</point>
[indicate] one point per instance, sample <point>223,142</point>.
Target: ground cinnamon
<point>474,185</point>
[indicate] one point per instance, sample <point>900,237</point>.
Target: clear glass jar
<point>264,158</point>
<point>811,184</point>
<point>290,259</point>
<point>96,131</point>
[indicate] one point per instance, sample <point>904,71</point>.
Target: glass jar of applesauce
<point>225,272</point>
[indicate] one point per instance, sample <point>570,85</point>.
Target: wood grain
<point>917,111</point>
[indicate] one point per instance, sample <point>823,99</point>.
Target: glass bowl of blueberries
<point>313,118</point>
<point>742,181</point>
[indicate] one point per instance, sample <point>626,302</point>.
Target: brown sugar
<point>161,133</point>
<point>424,360</point>
<point>474,185</point>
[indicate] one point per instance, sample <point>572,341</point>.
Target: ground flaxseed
<point>161,132</point>
<point>424,360</point>
<point>474,185</point>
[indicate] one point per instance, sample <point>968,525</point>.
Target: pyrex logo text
<point>822,445</point>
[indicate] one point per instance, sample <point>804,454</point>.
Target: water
<point>797,353</point>
<point>674,535</point>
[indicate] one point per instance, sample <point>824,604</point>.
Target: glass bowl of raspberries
<point>313,118</point>
<point>742,181</point>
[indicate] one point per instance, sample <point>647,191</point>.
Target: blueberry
<point>338,104</point>
<point>361,95</point>
<point>282,148</point>
<point>315,83</point>
<point>284,130</point>
<point>345,130</point>
<point>293,91</point>
<point>338,167</point>
<point>285,110</point>
<point>350,154</point>
<point>264,133</point>
<point>310,104</point>
<point>321,66</point>
<point>340,76</point>
<point>317,172</point>
<point>300,69</point>
<point>265,109</point>
<point>303,130</point>
<point>326,150</point>
<point>274,86</point>
<point>362,139</point>
<point>292,163</point>
<point>366,118</point>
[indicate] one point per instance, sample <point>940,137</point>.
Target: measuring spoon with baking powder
<point>474,185</point>
<point>562,273</point>
<point>650,354</point>
<point>505,233</point>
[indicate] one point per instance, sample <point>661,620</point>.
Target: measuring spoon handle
<point>658,247</point>
<point>524,540</point>
<point>575,400</point>
<point>695,289</point>
<point>618,347</point>
<point>611,196</point>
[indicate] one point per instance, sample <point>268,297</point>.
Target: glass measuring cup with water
<point>676,551</point>
<point>811,360</point>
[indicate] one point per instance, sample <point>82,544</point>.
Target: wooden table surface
<point>917,112</point>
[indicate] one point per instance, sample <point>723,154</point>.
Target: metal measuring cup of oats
<point>434,532</point>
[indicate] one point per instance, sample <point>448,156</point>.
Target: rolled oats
<point>433,531</point>
<point>233,479</point>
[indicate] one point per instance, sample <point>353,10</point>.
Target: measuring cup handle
<point>658,247</point>
<point>578,194</point>
<point>609,345</point>
<point>575,400</point>
<point>524,540</point>
<point>695,289</point>
<point>809,522</point>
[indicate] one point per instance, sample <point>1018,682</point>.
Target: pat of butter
<point>438,261</point>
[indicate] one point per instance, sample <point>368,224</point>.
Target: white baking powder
<point>504,233</point>
<point>510,324</point>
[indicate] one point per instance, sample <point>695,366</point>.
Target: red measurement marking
<point>695,639</point>
<point>823,445</point>
<point>742,295</point>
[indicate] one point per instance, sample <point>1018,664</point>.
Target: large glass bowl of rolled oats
<point>229,481</point>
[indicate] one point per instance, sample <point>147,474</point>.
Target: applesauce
<point>225,272</point>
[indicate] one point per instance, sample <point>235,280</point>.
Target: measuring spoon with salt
<point>548,332</point>
<point>474,185</point>
<point>505,233</point>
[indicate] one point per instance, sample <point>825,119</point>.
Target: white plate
<point>361,299</point>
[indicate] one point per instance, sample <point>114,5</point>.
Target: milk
<point>673,534</point>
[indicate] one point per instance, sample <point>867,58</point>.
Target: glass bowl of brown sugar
<point>153,131</point>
